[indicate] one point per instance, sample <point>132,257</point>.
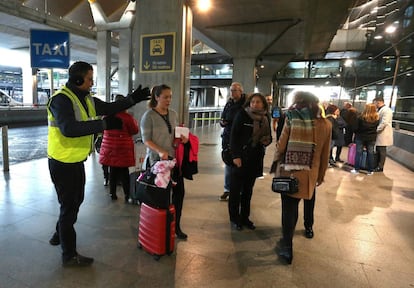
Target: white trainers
<point>370,173</point>
<point>354,171</point>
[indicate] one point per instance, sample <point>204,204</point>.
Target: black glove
<point>140,94</point>
<point>112,123</point>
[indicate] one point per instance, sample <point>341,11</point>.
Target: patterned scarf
<point>261,131</point>
<point>299,151</point>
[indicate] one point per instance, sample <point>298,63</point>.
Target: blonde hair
<point>370,113</point>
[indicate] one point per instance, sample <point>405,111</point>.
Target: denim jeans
<point>370,154</point>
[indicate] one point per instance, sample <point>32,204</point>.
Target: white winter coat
<point>384,129</point>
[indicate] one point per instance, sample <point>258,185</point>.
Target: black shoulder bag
<point>285,185</point>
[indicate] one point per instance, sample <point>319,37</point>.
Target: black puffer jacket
<point>365,131</point>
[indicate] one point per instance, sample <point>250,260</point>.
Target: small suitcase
<point>351,154</point>
<point>156,231</point>
<point>133,185</point>
<point>134,172</point>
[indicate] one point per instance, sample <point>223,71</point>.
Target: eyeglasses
<point>234,90</point>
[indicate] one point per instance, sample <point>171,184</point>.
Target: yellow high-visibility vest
<point>70,149</point>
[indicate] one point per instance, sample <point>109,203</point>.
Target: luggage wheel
<point>156,257</point>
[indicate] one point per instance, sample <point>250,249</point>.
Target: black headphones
<point>76,79</point>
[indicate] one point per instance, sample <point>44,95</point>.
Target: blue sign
<point>157,53</point>
<point>49,49</point>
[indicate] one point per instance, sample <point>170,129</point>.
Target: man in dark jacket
<point>73,119</point>
<point>233,105</point>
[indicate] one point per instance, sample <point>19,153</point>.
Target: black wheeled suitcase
<point>136,171</point>
<point>133,187</point>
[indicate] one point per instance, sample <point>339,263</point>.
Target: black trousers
<point>119,174</point>
<point>69,181</point>
<point>382,154</point>
<point>105,170</point>
<point>178,199</point>
<point>241,190</point>
<point>290,216</point>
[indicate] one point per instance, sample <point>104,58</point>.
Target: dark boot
<point>180,234</point>
<point>285,251</point>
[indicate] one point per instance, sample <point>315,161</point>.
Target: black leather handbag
<point>147,192</point>
<point>227,157</point>
<point>285,185</point>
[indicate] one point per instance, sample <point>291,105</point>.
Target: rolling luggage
<point>156,231</point>
<point>351,154</point>
<point>134,172</point>
<point>133,187</point>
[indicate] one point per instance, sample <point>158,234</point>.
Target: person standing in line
<point>269,100</point>
<point>275,113</point>
<point>105,168</point>
<point>384,132</point>
<point>365,136</point>
<point>303,151</point>
<point>332,113</point>
<point>117,152</point>
<point>157,132</point>
<point>250,134</point>
<point>72,122</point>
<point>233,105</point>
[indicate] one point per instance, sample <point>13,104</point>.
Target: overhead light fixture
<point>348,63</point>
<point>203,5</point>
<point>378,37</point>
<point>390,29</point>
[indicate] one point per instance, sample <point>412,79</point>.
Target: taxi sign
<point>49,49</point>
<point>157,53</point>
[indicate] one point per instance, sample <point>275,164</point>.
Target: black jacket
<point>227,116</point>
<point>366,131</point>
<point>62,109</point>
<point>241,143</point>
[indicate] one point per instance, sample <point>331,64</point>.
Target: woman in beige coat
<point>304,153</point>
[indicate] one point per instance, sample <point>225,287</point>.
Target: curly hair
<point>303,99</point>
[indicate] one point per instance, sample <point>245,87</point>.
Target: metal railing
<point>202,117</point>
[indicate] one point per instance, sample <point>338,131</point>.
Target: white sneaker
<point>370,173</point>
<point>353,171</point>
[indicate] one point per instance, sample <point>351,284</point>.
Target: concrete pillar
<point>125,61</point>
<point>28,84</point>
<point>155,19</point>
<point>103,81</point>
<point>264,85</point>
<point>244,71</point>
<point>34,87</point>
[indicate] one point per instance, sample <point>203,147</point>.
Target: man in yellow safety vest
<point>73,120</point>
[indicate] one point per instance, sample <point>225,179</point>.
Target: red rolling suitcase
<point>156,232</point>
